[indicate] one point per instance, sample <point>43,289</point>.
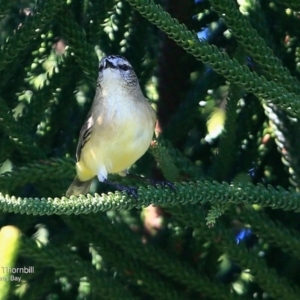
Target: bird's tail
<point>78,187</point>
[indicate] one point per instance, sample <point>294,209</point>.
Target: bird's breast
<point>121,136</point>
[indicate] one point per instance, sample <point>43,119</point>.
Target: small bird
<point>118,129</point>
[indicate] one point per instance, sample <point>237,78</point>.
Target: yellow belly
<point>115,147</point>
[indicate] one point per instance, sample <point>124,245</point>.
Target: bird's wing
<point>85,134</point>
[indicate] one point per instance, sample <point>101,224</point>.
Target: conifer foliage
<point>223,76</point>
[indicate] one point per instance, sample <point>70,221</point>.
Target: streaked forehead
<point>116,60</point>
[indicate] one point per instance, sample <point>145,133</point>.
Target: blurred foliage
<point>223,76</point>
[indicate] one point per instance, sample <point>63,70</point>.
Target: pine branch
<point>274,233</point>
<point>214,213</point>
<point>4,7</point>
<point>154,258</point>
<point>152,283</point>
<point>37,171</point>
<point>183,165</point>
<point>255,45</point>
<point>219,61</point>
<point>141,47</point>
<point>19,136</point>
<point>6,149</point>
<point>258,19</point>
<point>84,53</point>
<point>187,114</point>
<point>165,162</point>
<point>117,25</point>
<point>285,130</point>
<point>276,287</point>
<point>294,4</point>
<point>40,100</point>
<point>40,284</point>
<point>98,12</point>
<point>72,265</point>
<point>186,193</point>
<point>31,29</point>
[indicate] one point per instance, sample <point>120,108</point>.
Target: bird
<point>118,129</point>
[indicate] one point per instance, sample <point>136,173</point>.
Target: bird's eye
<point>124,67</point>
<point>101,68</point>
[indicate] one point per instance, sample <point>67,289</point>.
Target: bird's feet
<point>154,182</point>
<point>162,183</point>
<point>130,190</point>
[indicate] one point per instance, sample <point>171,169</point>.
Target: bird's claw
<point>131,191</point>
<point>163,183</point>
